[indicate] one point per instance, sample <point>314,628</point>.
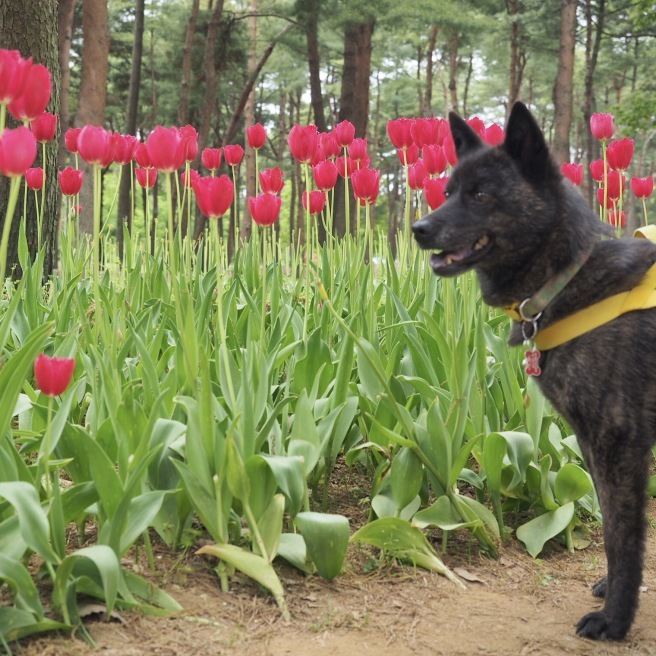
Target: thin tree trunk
<point>31,28</point>
<point>65,29</point>
<point>517,55</point>
<point>93,90</point>
<point>187,51</point>
<point>452,47</point>
<point>127,184</point>
<point>563,93</point>
<point>428,92</point>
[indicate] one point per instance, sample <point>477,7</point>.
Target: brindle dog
<point>511,216</point>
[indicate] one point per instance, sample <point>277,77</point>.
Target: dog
<point>540,252</point>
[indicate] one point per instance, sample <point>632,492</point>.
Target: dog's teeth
<point>448,260</point>
<point>481,243</point>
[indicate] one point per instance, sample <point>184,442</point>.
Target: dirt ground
<point>519,607</point>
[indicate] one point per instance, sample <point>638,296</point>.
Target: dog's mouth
<point>452,263</point>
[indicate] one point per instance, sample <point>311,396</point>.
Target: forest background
<point>222,65</point>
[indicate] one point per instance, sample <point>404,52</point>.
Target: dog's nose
<point>421,229</point>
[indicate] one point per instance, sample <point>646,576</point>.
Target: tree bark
<point>93,90</point>
<point>125,202</point>
<point>31,28</point>
<point>430,53</point>
<point>65,35</point>
<point>187,51</point>
<point>452,48</point>
<point>517,54</point>
<point>563,92</point>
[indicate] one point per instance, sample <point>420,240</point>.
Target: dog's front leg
<point>620,475</point>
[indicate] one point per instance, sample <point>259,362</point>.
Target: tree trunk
<point>249,120</point>
<point>31,28</point>
<point>428,93</point>
<point>93,90</point>
<point>517,54</point>
<point>452,47</point>
<point>187,51</point>
<point>65,30</point>
<point>563,93</point>
<point>354,103</point>
<point>125,203</point>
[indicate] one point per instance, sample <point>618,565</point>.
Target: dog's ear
<point>465,139</point>
<point>525,143</point>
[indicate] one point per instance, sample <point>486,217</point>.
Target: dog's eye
<point>481,196</point>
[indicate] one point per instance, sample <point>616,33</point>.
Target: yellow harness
<point>641,297</point>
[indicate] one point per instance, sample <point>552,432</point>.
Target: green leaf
<point>443,515</point>
<point>20,582</point>
<point>326,537</point>
<point>538,531</point>
<point>289,473</point>
<point>16,624</point>
<point>270,525</point>
<point>406,477</point>
<point>292,548</point>
<point>571,483</point>
<point>238,482</point>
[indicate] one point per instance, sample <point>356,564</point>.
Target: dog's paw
<point>597,626</point>
<point>599,588</point>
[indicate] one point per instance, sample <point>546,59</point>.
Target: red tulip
<point>617,218</point>
<point>17,151</point>
<point>189,137</point>
<point>434,159</point>
<point>303,141</point>
<point>642,187</point>
<point>573,172</point>
<point>494,135</point>
<point>330,145</point>
<point>146,176</point>
<point>70,181</point>
<point>399,132</point>
<point>194,176</point>
<point>70,139</point>
<point>214,195</point>
<point>616,184</point>
<point>256,136</point>
<point>53,375</point>
<point>602,126</point>
<point>366,185</point>
<point>358,149</point>
<point>344,133</point>
<point>141,156</point>
<point>417,173</point>
<point>477,125</point>
<point>620,154</point>
<point>95,145</point>
<point>316,203</point>
<point>271,181</point>
<point>13,74</point>
<point>597,170</point>
<point>434,191</point>
<point>425,131</point>
<point>233,154</point>
<point>44,127</point>
<point>123,147</point>
<point>409,155</point>
<point>450,149</point>
<point>166,149</point>
<point>345,166</point>
<point>211,158</point>
<point>325,175</point>
<point>264,208</point>
<point>35,96</point>
<point>34,178</point>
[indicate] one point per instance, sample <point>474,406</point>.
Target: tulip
<point>141,156</point>
<point>303,141</point>
<point>211,158</point>
<point>620,154</point>
<point>17,151</point>
<point>35,95</point>
<point>417,173</point>
<point>425,131</point>
<point>325,175</point>
<point>399,132</point>
<point>642,187</point>
<point>616,184</point>
<point>44,127</point>
<point>70,139</point>
<point>434,159</point>
<point>166,149</point>
<point>344,133</point>
<point>34,178</point>
<point>194,176</point>
<point>13,74</point>
<point>316,202</point>
<point>494,135</point>
<point>94,145</point>
<point>146,176</point>
<point>256,136</point>
<point>345,166</point>
<point>189,137</point>
<point>271,181</point>
<point>597,170</point>
<point>366,185</point>
<point>330,145</point>
<point>602,126</point>
<point>434,191</point>
<point>477,125</point>
<point>233,154</point>
<point>409,155</point>
<point>573,172</point>
<point>264,208</point>
<point>123,147</point>
<point>214,195</point>
<point>53,375</point>
<point>70,181</point>
<point>358,149</point>
<point>450,150</point>
<point>617,218</point>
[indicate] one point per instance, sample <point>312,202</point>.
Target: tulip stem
<point>14,189</point>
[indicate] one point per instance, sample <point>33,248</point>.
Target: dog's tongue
<point>441,259</point>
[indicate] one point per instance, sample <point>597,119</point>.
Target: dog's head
<point>499,200</point>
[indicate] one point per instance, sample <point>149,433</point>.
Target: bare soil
<point>518,606</point>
